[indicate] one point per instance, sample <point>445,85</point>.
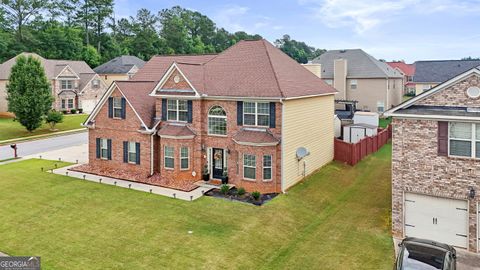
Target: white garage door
<point>438,219</point>
<point>88,105</point>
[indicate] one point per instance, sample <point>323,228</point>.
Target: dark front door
<point>217,164</point>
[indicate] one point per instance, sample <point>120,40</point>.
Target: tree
<point>100,11</point>
<point>91,56</point>
<point>21,11</point>
<point>470,58</point>
<point>53,118</point>
<point>28,92</point>
<point>299,51</point>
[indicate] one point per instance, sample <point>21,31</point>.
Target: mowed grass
<point>337,219</point>
<point>10,129</point>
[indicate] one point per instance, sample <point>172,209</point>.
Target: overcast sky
<point>392,30</point>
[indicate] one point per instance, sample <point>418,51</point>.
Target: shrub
<point>241,191</point>
<point>64,112</point>
<point>73,111</point>
<point>224,189</point>
<point>80,110</point>
<point>53,118</point>
<point>256,195</point>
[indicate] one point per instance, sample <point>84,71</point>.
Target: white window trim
<point>68,103</point>
<point>165,158</point>
<point>254,167</point>
<point>67,82</point>
<point>265,167</point>
<point>129,151</point>
<point>187,158</point>
<point>473,142</point>
<point>256,114</point>
<point>353,84</point>
<point>177,110</point>
<point>64,103</point>
<point>217,116</point>
<point>116,107</point>
<point>102,148</point>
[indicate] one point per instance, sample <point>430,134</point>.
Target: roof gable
<point>174,82</point>
<point>120,65</point>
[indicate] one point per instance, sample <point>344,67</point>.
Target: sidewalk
<point>42,136</point>
<point>172,193</point>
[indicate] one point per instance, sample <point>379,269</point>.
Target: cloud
<point>240,18</point>
<point>365,15</point>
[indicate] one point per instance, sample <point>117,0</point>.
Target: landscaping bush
<point>224,189</point>
<point>64,112</point>
<point>80,110</point>
<point>53,118</point>
<point>73,111</point>
<point>256,195</point>
<point>241,191</point>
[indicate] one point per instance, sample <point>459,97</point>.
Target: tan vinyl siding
<point>308,123</point>
<point>109,78</point>
<point>419,87</point>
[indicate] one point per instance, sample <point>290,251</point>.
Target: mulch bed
<point>246,198</point>
<point>155,180</point>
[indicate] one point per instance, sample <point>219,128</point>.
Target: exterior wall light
<point>471,193</point>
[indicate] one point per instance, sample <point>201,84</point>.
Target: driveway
<point>32,148</point>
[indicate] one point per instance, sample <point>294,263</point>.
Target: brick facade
<point>417,167</point>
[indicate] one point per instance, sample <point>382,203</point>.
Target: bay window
<point>169,158</point>
<point>256,113</point>
<point>267,167</point>
<point>184,163</point>
<point>177,110</point>
<point>249,166</point>
<point>464,139</point>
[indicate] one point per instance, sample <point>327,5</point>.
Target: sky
<point>407,30</point>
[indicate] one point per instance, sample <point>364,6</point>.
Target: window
<point>329,81</point>
<point>425,87</point>
<point>103,149</point>
<point>66,84</point>
<point>267,167</point>
<point>169,157</point>
<point>132,152</point>
<point>95,83</point>
<point>464,139</point>
<point>249,166</point>
<point>177,110</point>
<point>184,164</point>
<point>380,106</point>
<point>70,103</point>
<point>64,104</point>
<point>353,84</point>
<point>217,121</point>
<point>117,107</point>
<point>256,113</point>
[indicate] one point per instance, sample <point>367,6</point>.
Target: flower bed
<point>233,195</point>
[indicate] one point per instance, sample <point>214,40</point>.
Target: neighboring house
<point>243,113</point>
<point>74,84</point>
<point>429,74</point>
<point>408,70</point>
<point>121,68</point>
<point>358,76</point>
<point>436,163</point>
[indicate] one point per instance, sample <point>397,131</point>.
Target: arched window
<point>217,121</point>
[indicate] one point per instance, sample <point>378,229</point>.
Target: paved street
<point>44,145</point>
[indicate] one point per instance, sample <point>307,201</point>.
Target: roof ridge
<point>273,69</point>
<point>374,61</point>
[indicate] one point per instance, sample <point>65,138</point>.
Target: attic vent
<point>343,51</point>
<point>473,92</point>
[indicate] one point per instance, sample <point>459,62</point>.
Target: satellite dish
<point>302,152</point>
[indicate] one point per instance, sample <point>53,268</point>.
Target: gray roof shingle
<point>438,71</point>
<point>120,65</point>
<point>359,65</point>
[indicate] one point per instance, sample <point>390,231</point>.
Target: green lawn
<point>12,129</point>
<point>384,122</point>
<point>339,218</point>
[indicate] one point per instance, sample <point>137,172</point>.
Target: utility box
<point>355,132</point>
<point>337,126</point>
<point>369,118</point>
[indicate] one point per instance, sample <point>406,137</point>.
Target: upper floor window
<point>177,110</point>
<point>380,106</point>
<point>426,87</point>
<point>464,139</point>
<point>117,107</point>
<point>217,121</point>
<point>353,84</point>
<point>66,84</point>
<point>329,81</point>
<point>256,113</point>
<point>95,82</point>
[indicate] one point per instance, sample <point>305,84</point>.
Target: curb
<point>42,136</point>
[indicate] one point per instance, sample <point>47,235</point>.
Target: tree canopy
<point>88,30</point>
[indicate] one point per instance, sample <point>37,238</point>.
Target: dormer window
<point>66,84</point>
<point>177,110</point>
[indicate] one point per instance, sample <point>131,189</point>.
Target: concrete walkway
<point>73,154</point>
<point>3,255</point>
<point>172,193</point>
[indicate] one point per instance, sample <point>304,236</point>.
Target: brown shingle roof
<point>173,130</point>
<point>254,136</point>
<point>137,93</point>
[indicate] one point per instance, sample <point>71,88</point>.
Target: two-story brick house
<point>435,163</point>
<point>74,84</point>
<point>242,113</point>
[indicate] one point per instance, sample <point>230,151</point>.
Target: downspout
<point>282,155</point>
<point>151,153</point>
<point>386,105</point>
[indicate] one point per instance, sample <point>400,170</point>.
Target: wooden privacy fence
<point>352,153</point>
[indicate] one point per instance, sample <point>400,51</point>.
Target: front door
<point>217,164</point>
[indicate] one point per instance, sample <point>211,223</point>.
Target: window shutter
<point>442,142</point>
<point>272,114</point>
<point>98,147</point>
<point>190,111</point>
<point>125,152</point>
<point>137,149</point>
<point>109,147</point>
<point>164,109</point>
<point>124,107</point>
<point>110,107</point>
<point>240,113</point>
